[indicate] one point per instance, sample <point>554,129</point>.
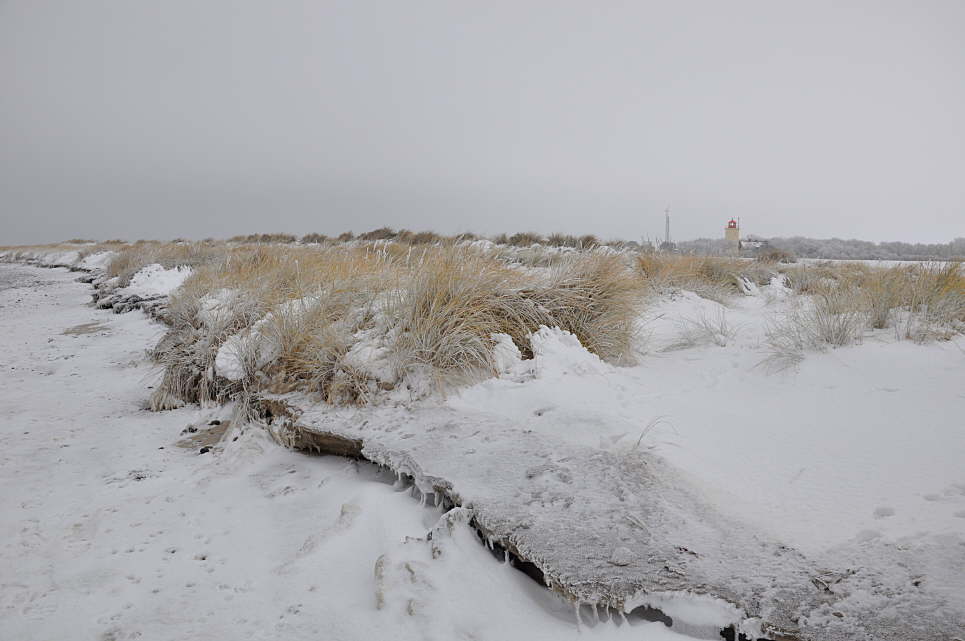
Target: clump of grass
<point>524,239</point>
<point>596,297</point>
<point>298,291</point>
<point>425,238</point>
<point>455,302</point>
<point>808,278</point>
<point>132,258</point>
<point>703,330</point>
<point>450,309</point>
<point>883,292</point>
<point>935,302</point>
<point>587,241</point>
<point>382,233</point>
<point>562,240</point>
<point>832,317</point>
<point>264,238</point>
<point>713,278</point>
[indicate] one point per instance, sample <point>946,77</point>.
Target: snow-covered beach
<point>115,527</point>
<point>502,321</point>
<point>121,524</point>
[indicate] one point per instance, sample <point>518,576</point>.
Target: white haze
<point>144,119</point>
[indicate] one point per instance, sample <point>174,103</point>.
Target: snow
<point>809,455</point>
<point>215,308</point>
<point>114,531</point>
<point>258,343</point>
<point>852,459</point>
<point>229,361</point>
<point>44,256</point>
<point>506,356</point>
<point>156,280</point>
<point>706,613</point>
<point>99,260</point>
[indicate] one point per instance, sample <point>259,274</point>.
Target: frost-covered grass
<point>830,318</point>
<point>330,319</point>
<point>116,527</point>
<point>703,329</point>
<point>348,322</point>
<point>711,277</point>
<point>386,312</point>
<point>839,302</point>
<point>132,258</point>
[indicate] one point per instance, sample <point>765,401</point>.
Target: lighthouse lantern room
<point>732,235</point>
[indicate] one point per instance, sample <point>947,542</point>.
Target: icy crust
<point>623,530</point>
<point>568,509</point>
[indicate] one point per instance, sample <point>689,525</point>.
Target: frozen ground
<point>854,458</point>
<point>866,441</point>
<point>115,527</point>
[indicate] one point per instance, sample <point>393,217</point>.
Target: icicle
<point>579,618</point>
<point>596,614</point>
<point>505,556</point>
<point>624,617</point>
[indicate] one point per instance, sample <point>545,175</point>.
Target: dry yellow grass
<point>132,258</point>
<point>921,301</point>
<point>436,309</point>
<point>430,309</point>
<point>711,277</point>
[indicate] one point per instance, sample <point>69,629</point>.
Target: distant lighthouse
<point>732,235</point>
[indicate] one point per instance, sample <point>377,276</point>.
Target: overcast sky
<point>148,119</point>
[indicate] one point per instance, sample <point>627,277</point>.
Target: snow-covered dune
<point>824,501</point>
<point>117,527</point>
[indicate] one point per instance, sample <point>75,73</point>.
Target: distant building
<point>753,242</point>
<point>732,236</point>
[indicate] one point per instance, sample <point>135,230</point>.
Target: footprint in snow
<point>884,512</point>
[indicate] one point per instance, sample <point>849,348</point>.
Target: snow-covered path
<point>116,527</point>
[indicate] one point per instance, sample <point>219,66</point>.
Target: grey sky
<point>153,119</point>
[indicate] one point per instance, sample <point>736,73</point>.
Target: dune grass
<point>354,318</point>
<point>347,322</point>
<point>921,302</point>
<point>714,278</point>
